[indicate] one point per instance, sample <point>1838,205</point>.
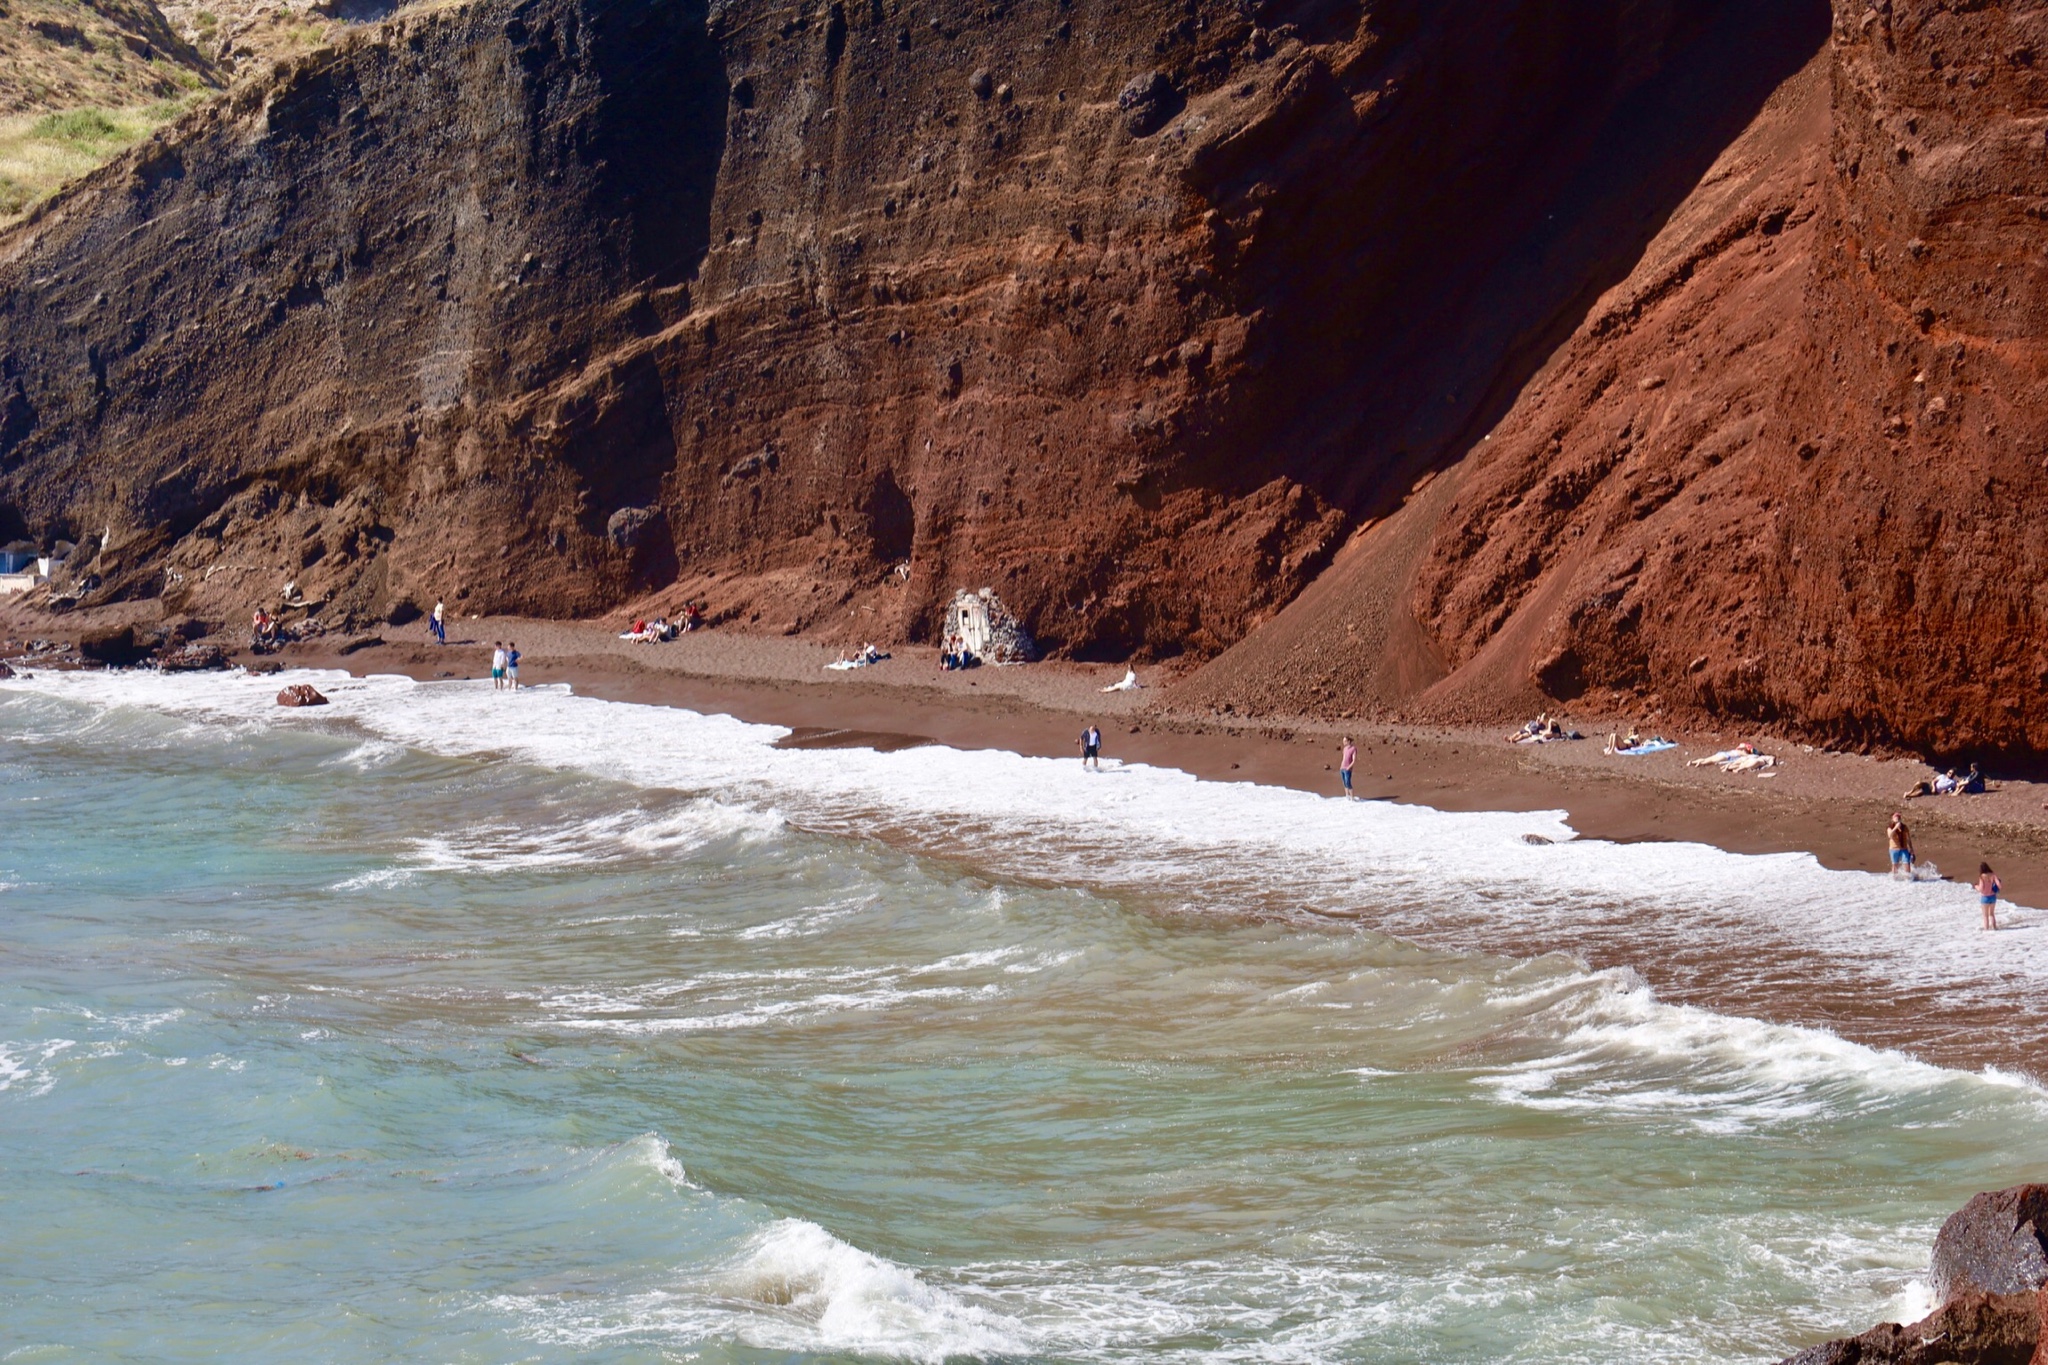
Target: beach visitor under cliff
<point>1972,783</point>
<point>511,666</point>
<point>497,665</point>
<point>1091,747</point>
<point>438,623</point>
<point>1987,894</point>
<point>1901,840</point>
<point>1345,764</point>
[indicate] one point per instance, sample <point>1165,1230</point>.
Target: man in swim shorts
<point>1901,840</point>
<point>511,666</point>
<point>1091,747</point>
<point>497,666</point>
<point>1345,765</point>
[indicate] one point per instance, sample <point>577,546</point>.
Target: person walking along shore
<point>1346,763</point>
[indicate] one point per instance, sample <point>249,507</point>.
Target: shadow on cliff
<point>661,141</point>
<point>1509,253</point>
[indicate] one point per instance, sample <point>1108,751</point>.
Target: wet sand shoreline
<point>1831,805</point>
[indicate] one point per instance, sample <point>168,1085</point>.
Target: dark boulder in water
<point>1989,1275</point>
<point>301,694</point>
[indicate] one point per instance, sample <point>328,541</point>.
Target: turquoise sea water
<point>322,1038</point>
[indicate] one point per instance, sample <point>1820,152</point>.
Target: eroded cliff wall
<point>1790,470</point>
<point>1131,311</point>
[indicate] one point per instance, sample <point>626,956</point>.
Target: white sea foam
<point>26,1066</point>
<point>821,1293</point>
<point>1450,878</point>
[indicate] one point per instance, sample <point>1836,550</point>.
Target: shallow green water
<point>315,1045</point>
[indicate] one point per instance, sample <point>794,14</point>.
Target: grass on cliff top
<point>40,152</point>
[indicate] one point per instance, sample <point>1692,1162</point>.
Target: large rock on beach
<point>1991,1278</point>
<point>1995,1244</point>
<point>301,694</point>
<point>1973,1329</point>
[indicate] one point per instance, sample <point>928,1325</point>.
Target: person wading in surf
<point>1346,763</point>
<point>1091,747</point>
<point>1901,840</point>
<point>1987,894</point>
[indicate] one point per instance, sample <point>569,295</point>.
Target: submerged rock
<point>300,694</point>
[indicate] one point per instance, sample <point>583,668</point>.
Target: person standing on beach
<point>1091,747</point>
<point>1346,764</point>
<point>511,666</point>
<point>439,623</point>
<point>1987,894</point>
<point>1901,840</point>
<point>497,666</point>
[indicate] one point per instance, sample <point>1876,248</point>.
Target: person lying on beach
<point>1742,750</point>
<point>1945,784</point>
<point>1987,894</point>
<point>1530,730</point>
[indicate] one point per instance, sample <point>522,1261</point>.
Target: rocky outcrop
<point>1130,313</point>
<point>1973,1329</point>
<point>1995,1244</point>
<point>1989,1276</point>
<point>301,694</point>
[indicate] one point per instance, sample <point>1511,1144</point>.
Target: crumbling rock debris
<point>301,694</point>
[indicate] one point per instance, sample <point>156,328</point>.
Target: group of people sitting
<point>661,629</point>
<point>1543,730</point>
<point>1948,784</point>
<point>956,655</point>
<point>266,632</point>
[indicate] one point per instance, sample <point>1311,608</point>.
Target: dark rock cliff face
<point>1130,311</point>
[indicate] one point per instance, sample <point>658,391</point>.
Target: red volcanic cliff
<point>1127,310</point>
<point>1786,471</point>
<point>1712,339</point>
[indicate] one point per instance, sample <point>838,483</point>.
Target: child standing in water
<point>1987,894</point>
<point>1346,764</point>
